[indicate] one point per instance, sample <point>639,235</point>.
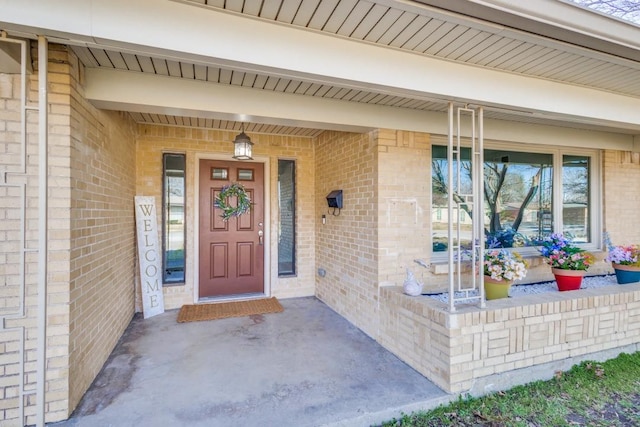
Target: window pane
<point>440,215</point>
<point>575,197</point>
<point>518,197</point>
<point>286,218</point>
<point>173,215</point>
<point>245,174</point>
<point>220,173</point>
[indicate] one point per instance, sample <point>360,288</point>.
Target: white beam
<point>10,54</point>
<point>121,90</point>
<point>204,35</point>
<point>64,19</point>
<point>128,91</point>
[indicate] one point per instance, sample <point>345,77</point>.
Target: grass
<point>590,394</point>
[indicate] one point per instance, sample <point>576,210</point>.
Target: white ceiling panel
<point>131,62</point>
<point>401,25</point>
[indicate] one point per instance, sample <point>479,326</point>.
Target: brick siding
<point>99,160</point>
<point>457,350</point>
<point>153,141</point>
<point>347,245</point>
<point>90,271</point>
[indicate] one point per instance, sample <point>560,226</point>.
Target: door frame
<point>196,222</point>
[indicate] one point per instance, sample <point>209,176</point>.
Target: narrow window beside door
<point>286,218</point>
<point>173,218</point>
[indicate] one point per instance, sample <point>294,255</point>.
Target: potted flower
<point>625,261</point>
<point>501,269</point>
<point>568,262</point>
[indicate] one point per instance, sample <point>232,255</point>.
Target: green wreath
<point>222,201</point>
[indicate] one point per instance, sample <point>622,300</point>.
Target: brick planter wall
<point>466,350</point>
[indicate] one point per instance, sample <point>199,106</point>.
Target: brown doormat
<point>222,310</point>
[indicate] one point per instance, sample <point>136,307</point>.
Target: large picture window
<point>527,195</point>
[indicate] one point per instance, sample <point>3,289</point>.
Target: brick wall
<point>153,141</point>
<point>14,341</point>
<point>90,249</point>
<point>347,245</point>
<point>466,351</point>
<point>102,244</point>
<point>11,341</point>
<point>404,204</point>
<point>621,177</point>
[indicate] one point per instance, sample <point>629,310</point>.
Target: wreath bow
<point>222,201</point>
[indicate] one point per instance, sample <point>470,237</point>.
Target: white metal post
<point>478,197</point>
<point>452,305</point>
<point>42,230</point>
<point>19,312</point>
<point>474,200</point>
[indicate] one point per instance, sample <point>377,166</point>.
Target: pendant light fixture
<point>242,146</point>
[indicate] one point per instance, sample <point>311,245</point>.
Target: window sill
<point>440,266</point>
<point>172,284</point>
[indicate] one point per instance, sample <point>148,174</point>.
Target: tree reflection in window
<point>518,192</point>
<point>575,197</point>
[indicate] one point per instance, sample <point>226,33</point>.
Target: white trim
<point>126,91</point>
<point>196,222</point>
<point>567,15</point>
<point>43,230</point>
<point>184,32</point>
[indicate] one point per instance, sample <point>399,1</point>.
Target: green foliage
<point>594,394</point>
<point>243,202</point>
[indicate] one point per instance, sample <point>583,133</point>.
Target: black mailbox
<point>334,199</point>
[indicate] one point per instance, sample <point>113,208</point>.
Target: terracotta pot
<point>494,289</point>
<point>626,273</point>
<point>568,280</point>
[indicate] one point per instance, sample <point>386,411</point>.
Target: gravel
<point>537,288</point>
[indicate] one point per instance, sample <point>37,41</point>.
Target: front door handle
<point>260,234</point>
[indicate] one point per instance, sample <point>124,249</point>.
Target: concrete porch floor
<point>307,366</point>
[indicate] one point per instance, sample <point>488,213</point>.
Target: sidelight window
<point>173,218</point>
<point>286,218</point>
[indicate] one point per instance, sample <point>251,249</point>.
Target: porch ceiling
<point>603,54</point>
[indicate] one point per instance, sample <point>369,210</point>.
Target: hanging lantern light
<point>242,146</point>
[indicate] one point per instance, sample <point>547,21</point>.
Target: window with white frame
<point>528,194</point>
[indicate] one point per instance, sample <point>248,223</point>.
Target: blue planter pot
<point>626,274</point>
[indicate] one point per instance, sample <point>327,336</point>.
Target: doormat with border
<point>223,310</point>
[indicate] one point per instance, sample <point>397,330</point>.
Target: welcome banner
<point>149,256</point>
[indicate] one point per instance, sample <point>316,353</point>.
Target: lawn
<point>590,394</point>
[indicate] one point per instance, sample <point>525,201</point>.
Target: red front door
<point>231,252</point>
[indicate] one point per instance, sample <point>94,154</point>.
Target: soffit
<point>230,125</point>
<point>406,26</point>
<point>426,30</point>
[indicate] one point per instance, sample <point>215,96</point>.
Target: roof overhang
<point>555,19</point>
<point>212,37</point>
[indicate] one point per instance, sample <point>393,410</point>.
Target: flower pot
<point>626,273</point>
<point>494,289</point>
<point>568,280</point>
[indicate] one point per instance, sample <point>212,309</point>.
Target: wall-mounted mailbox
<point>334,199</point>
